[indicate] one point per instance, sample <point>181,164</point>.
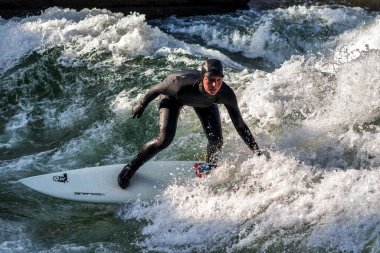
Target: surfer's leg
<point>169,112</point>
<point>210,119</point>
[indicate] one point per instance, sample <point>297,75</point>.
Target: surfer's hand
<point>138,110</point>
<point>264,153</point>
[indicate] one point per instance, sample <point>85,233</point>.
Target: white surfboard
<point>99,184</point>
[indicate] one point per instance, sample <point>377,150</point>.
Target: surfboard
<point>99,184</point>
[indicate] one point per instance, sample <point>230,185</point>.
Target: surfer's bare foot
<point>125,176</point>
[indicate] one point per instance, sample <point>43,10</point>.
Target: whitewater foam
<point>14,238</point>
<point>85,34</point>
<point>262,200</point>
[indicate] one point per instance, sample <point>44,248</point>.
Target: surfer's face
<point>212,84</point>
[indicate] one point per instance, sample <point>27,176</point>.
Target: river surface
<point>308,85</point>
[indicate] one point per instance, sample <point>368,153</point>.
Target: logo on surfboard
<point>61,179</point>
<point>89,193</point>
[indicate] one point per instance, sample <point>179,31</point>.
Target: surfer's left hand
<point>138,110</point>
<point>264,153</point>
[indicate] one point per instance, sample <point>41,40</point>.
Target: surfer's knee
<point>164,140</point>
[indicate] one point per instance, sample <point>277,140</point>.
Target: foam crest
<point>354,43</point>
<point>320,116</point>
<point>121,105</point>
<point>14,238</point>
<point>80,33</point>
<point>241,207</point>
<point>273,35</point>
<point>356,93</point>
<point>288,95</point>
<point>22,45</point>
<point>347,125</point>
<point>88,33</point>
<point>13,131</point>
<point>85,146</point>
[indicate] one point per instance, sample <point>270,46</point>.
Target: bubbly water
<point>308,85</point>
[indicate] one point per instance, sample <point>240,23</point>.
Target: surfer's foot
<point>203,169</point>
<point>125,176</point>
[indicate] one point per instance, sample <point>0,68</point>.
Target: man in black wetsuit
<point>202,90</point>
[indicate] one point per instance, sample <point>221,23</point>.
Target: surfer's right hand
<point>138,110</point>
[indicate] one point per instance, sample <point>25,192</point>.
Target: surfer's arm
<point>154,92</point>
<point>169,86</point>
<point>240,126</point>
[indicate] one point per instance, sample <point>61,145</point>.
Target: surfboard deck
<point>99,184</point>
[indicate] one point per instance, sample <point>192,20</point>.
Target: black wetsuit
<point>185,88</point>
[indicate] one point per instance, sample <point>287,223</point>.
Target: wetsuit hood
<point>212,67</point>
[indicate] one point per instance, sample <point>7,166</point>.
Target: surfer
<point>203,90</point>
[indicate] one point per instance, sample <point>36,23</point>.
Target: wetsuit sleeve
<point>169,86</point>
<point>240,126</point>
<point>138,109</point>
<point>153,92</point>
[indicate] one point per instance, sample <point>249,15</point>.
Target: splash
<point>255,204</point>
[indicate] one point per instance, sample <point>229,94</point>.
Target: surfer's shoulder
<point>183,77</point>
<point>226,90</point>
<point>227,95</point>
